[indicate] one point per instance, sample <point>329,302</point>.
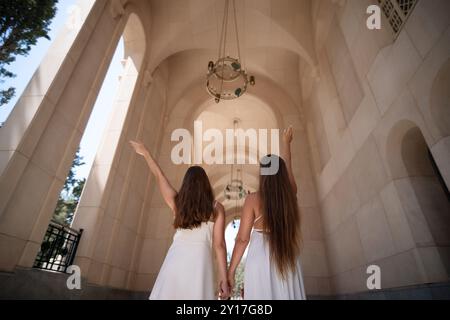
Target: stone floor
<point>37,284</point>
<point>435,291</point>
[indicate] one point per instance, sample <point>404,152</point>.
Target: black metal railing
<point>58,248</point>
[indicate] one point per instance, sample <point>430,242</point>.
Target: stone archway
<point>422,196</point>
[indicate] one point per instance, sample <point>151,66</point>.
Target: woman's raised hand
<point>288,135</point>
<point>139,148</point>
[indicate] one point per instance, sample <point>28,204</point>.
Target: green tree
<point>70,195</point>
<point>239,281</point>
<point>22,23</point>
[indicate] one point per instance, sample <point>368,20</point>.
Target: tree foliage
<point>238,289</point>
<point>70,195</point>
<point>22,23</point>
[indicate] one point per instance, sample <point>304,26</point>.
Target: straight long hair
<point>194,201</point>
<point>281,216</point>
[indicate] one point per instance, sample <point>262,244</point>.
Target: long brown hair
<point>281,216</point>
<point>194,201</point>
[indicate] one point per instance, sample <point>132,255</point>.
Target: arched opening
<point>231,232</point>
<point>423,194</point>
<point>99,145</point>
<point>427,184</point>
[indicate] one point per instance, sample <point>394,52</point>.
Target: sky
<point>230,236</point>
<point>25,66</point>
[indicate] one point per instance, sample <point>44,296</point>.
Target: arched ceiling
<point>276,39</point>
<point>276,45</point>
<point>179,25</point>
<point>273,68</point>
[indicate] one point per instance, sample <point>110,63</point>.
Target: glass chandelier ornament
<point>226,79</point>
<point>235,190</point>
<point>235,221</point>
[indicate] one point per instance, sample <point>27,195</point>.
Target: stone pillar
<point>39,141</point>
<point>114,207</point>
<point>102,177</point>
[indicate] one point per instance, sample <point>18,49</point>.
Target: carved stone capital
<point>117,9</point>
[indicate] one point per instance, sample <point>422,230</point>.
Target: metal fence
<point>58,248</point>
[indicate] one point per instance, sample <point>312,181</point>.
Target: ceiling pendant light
<point>235,189</point>
<point>226,79</point>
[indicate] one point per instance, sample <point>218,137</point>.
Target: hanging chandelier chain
<point>232,171</point>
<point>223,34</point>
<point>236,29</point>
<point>235,123</point>
<point>227,79</point>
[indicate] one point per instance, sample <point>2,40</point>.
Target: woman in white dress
<point>270,222</point>
<point>188,272</point>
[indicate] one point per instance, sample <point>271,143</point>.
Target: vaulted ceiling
<point>276,43</point>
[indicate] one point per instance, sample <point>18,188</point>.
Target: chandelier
<point>235,189</point>
<point>235,222</point>
<point>226,79</point>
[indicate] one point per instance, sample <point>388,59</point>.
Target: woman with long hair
<point>272,267</point>
<point>187,272</point>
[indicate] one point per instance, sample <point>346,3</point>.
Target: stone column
<point>114,207</point>
<point>96,197</point>
<point>39,141</point>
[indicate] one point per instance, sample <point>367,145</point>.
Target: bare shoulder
<point>252,199</point>
<point>219,212</point>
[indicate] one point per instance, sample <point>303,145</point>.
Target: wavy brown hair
<point>194,201</point>
<point>281,216</point>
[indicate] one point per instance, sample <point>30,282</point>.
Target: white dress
<point>261,278</point>
<point>187,272</point>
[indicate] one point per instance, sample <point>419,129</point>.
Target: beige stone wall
<point>376,108</point>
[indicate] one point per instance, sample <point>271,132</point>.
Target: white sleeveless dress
<point>261,278</point>
<point>187,272</point>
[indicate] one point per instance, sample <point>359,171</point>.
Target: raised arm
<point>220,249</point>
<point>167,191</point>
<point>288,136</point>
<point>243,236</point>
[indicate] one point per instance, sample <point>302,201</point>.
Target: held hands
<point>224,290</point>
<point>139,148</point>
<point>231,281</point>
